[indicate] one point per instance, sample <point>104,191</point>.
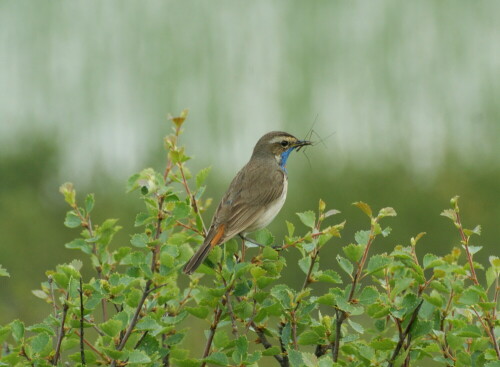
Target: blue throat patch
<point>284,157</point>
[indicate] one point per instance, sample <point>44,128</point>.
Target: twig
<point>82,348</point>
<point>23,353</point>
<point>265,343</point>
<point>405,334</point>
<point>341,315</point>
<point>213,328</point>
<point>60,335</point>
<point>52,296</point>
<point>93,348</point>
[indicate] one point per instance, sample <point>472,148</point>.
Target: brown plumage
<point>255,195</point>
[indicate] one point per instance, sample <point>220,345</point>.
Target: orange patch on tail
<point>218,236</point>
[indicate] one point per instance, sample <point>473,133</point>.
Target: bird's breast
<point>271,210</point>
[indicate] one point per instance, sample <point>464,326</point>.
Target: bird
<point>255,195</point>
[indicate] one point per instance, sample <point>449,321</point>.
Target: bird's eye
<point>284,143</point>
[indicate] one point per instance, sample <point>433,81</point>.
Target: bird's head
<point>278,144</point>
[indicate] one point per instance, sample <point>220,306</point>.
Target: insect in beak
<point>302,143</point>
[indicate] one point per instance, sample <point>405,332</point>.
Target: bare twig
<point>405,334</point>
<point>61,332</point>
<point>82,348</point>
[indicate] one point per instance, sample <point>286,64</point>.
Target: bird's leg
<point>243,238</point>
<point>243,249</point>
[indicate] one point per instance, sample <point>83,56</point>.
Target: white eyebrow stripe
<point>278,139</point>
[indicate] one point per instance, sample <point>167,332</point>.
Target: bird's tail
<point>197,258</point>
<point>214,237</point>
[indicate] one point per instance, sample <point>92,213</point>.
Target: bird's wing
<point>250,192</point>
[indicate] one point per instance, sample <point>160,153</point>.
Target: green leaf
<point>80,244</point>
<point>470,232</point>
<point>72,220</point>
<point>271,351</point>
<point>469,331</point>
<point>217,358</point>
<point>474,249</point>
<point>200,312</point>
<point>201,176</point>
<point>68,192</point>
<point>364,207</point>
<point>308,218</point>
<point>137,356</point>
<point>329,276</point>
<point>345,264</point>
<point>368,295</point>
<point>304,264</point>
<point>470,297</point>
<point>181,210</point>
<point>17,328</point>
<point>449,213</point>
<point>387,212</point>
<point>308,338</point>
<point>4,272</point>
<point>139,240</point>
<point>242,345</point>
<point>377,262</point>
<point>310,360</point>
<point>355,252</point>
<point>270,254</point>
<point>295,358</point>
<point>264,237</point>
<point>89,203</point>
<point>111,327</point>
<point>291,228</point>
<point>39,342</point>
<point>362,238</point>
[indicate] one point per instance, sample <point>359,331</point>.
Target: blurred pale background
<point>409,90</point>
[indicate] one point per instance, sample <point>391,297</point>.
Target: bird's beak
<point>301,143</point>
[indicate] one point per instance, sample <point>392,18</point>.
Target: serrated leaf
<point>139,240</point>
<point>291,228</point>
<point>308,218</point>
<point>304,264</point>
<point>354,252</point>
<point>271,351</point>
<point>89,203</point>
<point>377,262</point>
<point>111,327</point>
<point>39,342</point>
<point>137,356</point>
<point>387,212</point>
<point>201,176</point>
<point>368,295</point>
<point>4,272</point>
<point>345,264</point>
<point>264,237</point>
<point>329,276</point>
<point>474,249</point>
<point>295,358</point>
<point>310,360</point>
<point>449,213</point>
<point>364,207</point>
<point>217,358</point>
<point>331,212</point>
<point>308,338</point>
<point>200,312</point>
<point>362,237</point>
<point>72,220</point>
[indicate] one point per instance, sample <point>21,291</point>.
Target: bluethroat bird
<point>254,197</point>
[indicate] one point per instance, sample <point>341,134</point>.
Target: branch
<point>60,335</point>
<point>213,328</point>
<point>405,334</point>
<point>82,349</point>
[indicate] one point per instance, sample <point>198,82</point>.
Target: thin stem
<point>82,348</point>
<point>265,343</point>
<point>405,334</point>
<point>213,328</point>
<point>61,333</point>
<point>93,348</point>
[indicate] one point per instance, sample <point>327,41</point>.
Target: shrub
<point>390,309</point>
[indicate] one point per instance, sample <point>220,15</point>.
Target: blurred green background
<point>410,91</point>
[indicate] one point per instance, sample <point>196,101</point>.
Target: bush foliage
<point>389,309</point>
